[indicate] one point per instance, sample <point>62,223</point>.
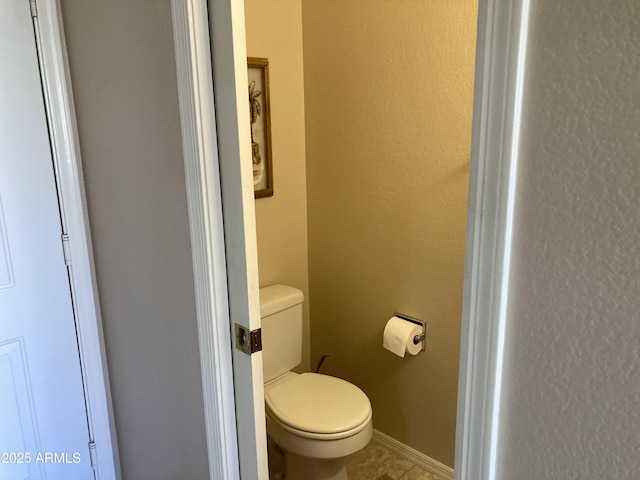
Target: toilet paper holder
<point>418,338</point>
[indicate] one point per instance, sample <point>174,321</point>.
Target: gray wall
<point>123,73</point>
<point>572,390</point>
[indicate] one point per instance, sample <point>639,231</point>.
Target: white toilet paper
<point>398,336</point>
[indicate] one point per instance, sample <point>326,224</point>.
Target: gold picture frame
<point>260,118</point>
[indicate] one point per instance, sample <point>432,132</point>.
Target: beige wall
<point>388,89</point>
<point>572,356</point>
<point>274,31</point>
<point>124,80</point>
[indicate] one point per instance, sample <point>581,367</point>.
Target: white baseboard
<point>412,455</point>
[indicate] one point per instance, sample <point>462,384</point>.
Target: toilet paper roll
<point>398,336</point>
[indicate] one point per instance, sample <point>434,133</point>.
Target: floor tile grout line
<point>406,473</point>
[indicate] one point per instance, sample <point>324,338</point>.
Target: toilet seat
<point>318,406</point>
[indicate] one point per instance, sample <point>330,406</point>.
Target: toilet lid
<point>313,402</point>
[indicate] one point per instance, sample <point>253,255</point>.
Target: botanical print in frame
<point>258,73</point>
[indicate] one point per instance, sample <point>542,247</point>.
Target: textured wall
<point>124,81</point>
<point>274,31</point>
<point>388,91</point>
<point>572,389</point>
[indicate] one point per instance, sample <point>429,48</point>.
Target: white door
<point>43,419</point>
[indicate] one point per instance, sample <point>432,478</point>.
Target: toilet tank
<point>281,313</point>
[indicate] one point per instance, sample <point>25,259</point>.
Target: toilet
<point>316,419</point>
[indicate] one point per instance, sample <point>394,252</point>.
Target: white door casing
<point>53,85</point>
<point>230,86</point>
<point>499,79</point>
<point>216,144</point>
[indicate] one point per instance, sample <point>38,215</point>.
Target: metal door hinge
<point>34,8</point>
<point>93,454</point>
<point>248,341</point>
<point>66,249</point>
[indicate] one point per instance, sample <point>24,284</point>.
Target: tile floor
<point>373,462</point>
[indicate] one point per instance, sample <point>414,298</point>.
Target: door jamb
<point>500,62</point>
<point>216,143</point>
<point>200,151</point>
<point>65,149</point>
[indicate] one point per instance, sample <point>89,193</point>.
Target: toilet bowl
<point>316,419</point>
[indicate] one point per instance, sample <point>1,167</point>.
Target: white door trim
<point>66,155</point>
<point>200,150</point>
<point>230,84</point>
<point>501,45</point>
<point>216,140</point>
<point>502,30</point>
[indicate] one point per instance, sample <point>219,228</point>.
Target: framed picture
<point>258,70</point>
